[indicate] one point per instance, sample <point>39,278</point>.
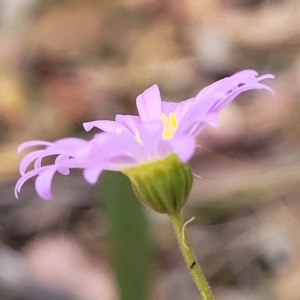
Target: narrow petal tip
<point>149,104</point>
<point>32,144</point>
<point>87,126</point>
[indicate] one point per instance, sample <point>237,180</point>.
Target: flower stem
<point>189,257</point>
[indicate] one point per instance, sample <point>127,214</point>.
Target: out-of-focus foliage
<point>129,236</point>
<point>66,62</point>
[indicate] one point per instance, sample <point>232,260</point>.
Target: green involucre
<point>163,185</point>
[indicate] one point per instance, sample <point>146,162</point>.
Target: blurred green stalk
<point>129,234</point>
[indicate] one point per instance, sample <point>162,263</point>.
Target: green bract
<point>163,185</point>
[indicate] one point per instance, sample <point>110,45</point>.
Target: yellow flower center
<point>170,125</point>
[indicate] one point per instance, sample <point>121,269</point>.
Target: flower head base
<point>152,148</point>
<point>163,185</point>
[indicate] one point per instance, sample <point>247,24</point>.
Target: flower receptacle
<point>163,185</point>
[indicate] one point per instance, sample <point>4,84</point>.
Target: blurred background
<point>66,62</point>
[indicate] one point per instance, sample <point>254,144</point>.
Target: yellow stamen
<point>170,125</point>
<point>173,121</point>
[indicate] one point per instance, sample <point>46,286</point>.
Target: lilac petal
<point>195,114</point>
<point>32,144</point>
<point>247,78</point>
<point>120,162</point>
<point>36,155</point>
<point>92,173</point>
<point>129,121</point>
<point>169,107</point>
<point>149,104</point>
<point>58,160</point>
<point>165,148</point>
<point>38,163</point>
<point>127,146</point>
<point>114,145</point>
<point>107,126</point>
<point>179,109</point>
<point>43,183</point>
<point>67,145</point>
<point>230,96</point>
<point>212,119</point>
<point>209,89</point>
<point>267,76</point>
<point>184,146</point>
<point>196,128</point>
<point>151,135</point>
<point>99,141</point>
<point>225,85</point>
<point>29,158</point>
<point>215,97</point>
<point>26,177</point>
<point>72,163</point>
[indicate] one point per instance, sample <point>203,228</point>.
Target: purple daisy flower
<point>161,129</point>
